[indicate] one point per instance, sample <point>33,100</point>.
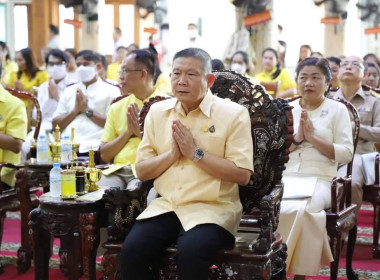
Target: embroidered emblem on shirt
<point>362,109</point>
<point>212,129</point>
<point>205,128</point>
<point>324,113</point>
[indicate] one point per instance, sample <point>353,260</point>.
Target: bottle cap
<point>56,164</point>
<point>66,137</point>
<point>41,137</point>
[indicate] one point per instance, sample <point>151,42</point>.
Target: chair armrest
<point>123,207</point>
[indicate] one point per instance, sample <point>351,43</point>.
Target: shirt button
<point>182,167</point>
<point>180,188</point>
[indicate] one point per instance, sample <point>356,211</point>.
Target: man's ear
<point>210,80</point>
<point>144,73</point>
<point>99,66</point>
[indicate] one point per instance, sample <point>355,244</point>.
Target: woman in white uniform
<point>323,139</point>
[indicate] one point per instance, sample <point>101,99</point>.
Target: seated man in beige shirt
<point>196,172</point>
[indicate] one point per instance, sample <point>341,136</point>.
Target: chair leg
<point>376,228</point>
<point>2,217</point>
<point>351,274</point>
<point>335,248</point>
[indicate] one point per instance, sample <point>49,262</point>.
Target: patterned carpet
<point>366,267</point>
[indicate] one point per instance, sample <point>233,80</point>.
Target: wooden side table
<point>76,223</point>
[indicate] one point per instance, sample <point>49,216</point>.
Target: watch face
<point>89,113</point>
<point>198,154</point>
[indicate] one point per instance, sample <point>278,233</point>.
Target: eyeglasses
<point>56,63</point>
<point>352,63</point>
<point>123,72</point>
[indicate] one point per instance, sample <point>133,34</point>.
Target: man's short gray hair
<point>196,53</point>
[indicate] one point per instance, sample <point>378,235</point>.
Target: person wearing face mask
<point>49,93</point>
<point>194,39</point>
<point>240,63</point>
<point>84,105</point>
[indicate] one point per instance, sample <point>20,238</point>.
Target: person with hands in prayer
<point>323,139</point>
<point>197,158</point>
<point>121,135</point>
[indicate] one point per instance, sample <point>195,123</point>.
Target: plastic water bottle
<point>66,150</point>
<point>55,180</point>
<point>42,150</point>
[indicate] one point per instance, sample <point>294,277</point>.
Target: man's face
<point>351,70</point>
<point>130,74</point>
<point>189,81</point>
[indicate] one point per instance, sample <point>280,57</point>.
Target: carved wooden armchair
<point>341,218</point>
<point>371,193</point>
<point>259,252</point>
<point>14,199</point>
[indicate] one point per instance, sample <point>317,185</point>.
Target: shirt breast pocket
<point>214,145</point>
<point>365,117</point>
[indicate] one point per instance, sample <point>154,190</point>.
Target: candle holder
<point>92,174</point>
<point>55,147</point>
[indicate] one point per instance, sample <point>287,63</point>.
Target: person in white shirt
<point>48,94</point>
<point>84,105</point>
<point>54,40</point>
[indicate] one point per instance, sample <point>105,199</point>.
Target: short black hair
<point>103,60</point>
<point>57,53</point>
<point>334,59</point>
<point>121,47</point>
<point>89,55</point>
<point>54,29</point>
<point>217,64</point>
<point>147,58</point>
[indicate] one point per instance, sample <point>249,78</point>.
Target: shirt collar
<point>204,106</point>
<point>359,92</point>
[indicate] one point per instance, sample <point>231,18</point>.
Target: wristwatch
<point>198,155</point>
<point>89,113</point>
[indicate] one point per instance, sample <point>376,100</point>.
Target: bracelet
<point>295,143</point>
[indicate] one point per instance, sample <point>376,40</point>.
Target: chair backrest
<point>272,132</point>
<point>272,86</point>
<point>32,102</point>
<point>346,196</point>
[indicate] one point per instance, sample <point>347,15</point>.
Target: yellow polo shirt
<point>116,124</point>
<point>164,84</point>
<point>220,127</point>
<point>13,122</point>
<point>8,67</point>
<point>285,78</point>
<point>112,71</point>
<point>39,79</point>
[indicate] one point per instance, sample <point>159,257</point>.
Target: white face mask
<point>57,72</point>
<point>193,33</point>
<point>238,68</point>
<point>86,73</point>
